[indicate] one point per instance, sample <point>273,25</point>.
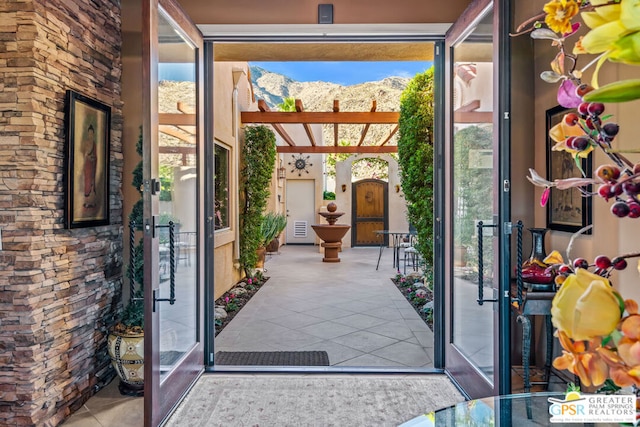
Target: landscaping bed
<point>233,300</point>
<point>418,290</point>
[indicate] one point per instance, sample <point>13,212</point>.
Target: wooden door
<point>370,212</point>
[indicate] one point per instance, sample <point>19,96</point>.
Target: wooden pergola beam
<point>336,109</point>
<point>321,117</point>
<point>177,119</point>
<point>473,117</point>
<point>184,151</point>
<point>307,128</point>
<point>328,149</point>
<point>264,109</point>
<point>172,131</point>
<point>366,127</point>
<point>388,138</point>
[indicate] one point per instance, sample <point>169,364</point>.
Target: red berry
<point>631,188</point>
<point>603,262</point>
<point>608,172</point>
<point>620,209</point>
<point>580,263</point>
<point>636,168</point>
<point>610,129</point>
<point>571,119</point>
<point>595,108</point>
<point>616,189</point>
<point>619,263</point>
<point>634,209</point>
<point>583,89</point>
<point>580,143</point>
<point>564,268</point>
<point>605,191</point>
<point>583,109</point>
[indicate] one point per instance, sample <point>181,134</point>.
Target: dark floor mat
<point>272,358</point>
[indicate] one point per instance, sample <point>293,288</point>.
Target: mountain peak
<point>319,96</point>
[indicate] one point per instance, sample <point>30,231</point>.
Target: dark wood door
<point>370,211</point>
<point>174,308</point>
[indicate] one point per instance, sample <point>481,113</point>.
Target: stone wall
<point>60,289</point>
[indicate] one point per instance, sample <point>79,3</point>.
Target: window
<point>221,187</point>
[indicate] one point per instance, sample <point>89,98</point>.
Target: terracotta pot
<point>127,357</point>
<point>274,245</point>
<point>261,257</point>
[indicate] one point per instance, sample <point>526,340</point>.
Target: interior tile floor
<point>349,309</point>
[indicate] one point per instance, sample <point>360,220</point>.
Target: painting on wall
<point>87,126</point>
<point>567,210</point>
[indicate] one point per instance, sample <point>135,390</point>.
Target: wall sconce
<point>397,188</point>
<point>282,172</point>
<point>344,187</point>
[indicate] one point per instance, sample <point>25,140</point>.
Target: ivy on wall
<point>258,161</point>
<point>415,158</point>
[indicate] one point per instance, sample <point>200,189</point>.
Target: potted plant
<point>272,225</point>
<point>126,338</point>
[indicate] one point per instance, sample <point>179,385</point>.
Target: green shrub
<point>415,158</point>
<point>258,160</point>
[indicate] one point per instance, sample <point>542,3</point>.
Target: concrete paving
<point>349,309</point>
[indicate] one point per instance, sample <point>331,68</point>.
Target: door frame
<point>457,365</point>
<point>160,397</point>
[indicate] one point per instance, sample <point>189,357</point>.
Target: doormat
<point>272,358</point>
<point>170,357</point>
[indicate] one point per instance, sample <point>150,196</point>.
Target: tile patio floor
<point>349,309</point>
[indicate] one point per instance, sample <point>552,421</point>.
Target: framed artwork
<point>87,123</point>
<point>567,210</point>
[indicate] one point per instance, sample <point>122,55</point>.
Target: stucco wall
<point>59,289</point>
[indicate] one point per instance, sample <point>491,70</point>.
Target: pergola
<point>335,118</point>
<point>182,126</point>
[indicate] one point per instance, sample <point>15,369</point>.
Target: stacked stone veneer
<point>59,289</point>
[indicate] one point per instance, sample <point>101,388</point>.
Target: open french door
<point>476,204</point>
<point>173,218</point>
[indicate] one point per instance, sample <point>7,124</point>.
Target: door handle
<point>172,267</point>
<point>481,225</point>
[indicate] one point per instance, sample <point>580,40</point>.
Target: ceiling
<point>288,51</point>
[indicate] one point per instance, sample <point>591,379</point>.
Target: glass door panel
<point>472,289</point>
<point>174,355</point>
<point>473,199</point>
<point>178,173</point>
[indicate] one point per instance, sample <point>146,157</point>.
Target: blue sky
<point>344,73</point>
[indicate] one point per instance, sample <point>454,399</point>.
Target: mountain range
<point>319,96</point>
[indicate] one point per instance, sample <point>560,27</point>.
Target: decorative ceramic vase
<point>534,270</point>
<point>127,357</point>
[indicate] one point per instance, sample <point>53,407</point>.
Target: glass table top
<point>521,410</point>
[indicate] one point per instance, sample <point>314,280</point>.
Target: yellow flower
<point>560,132</point>
<point>588,364</point>
<point>615,31</point>
<point>554,258</point>
<point>585,306</point>
<point>559,14</point>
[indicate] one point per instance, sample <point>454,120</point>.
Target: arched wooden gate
<point>370,211</point>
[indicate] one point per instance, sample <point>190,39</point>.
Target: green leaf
<point>620,91</point>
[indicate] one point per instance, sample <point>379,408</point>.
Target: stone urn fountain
<point>331,233</point>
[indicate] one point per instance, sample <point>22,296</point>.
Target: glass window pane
<point>221,187</point>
